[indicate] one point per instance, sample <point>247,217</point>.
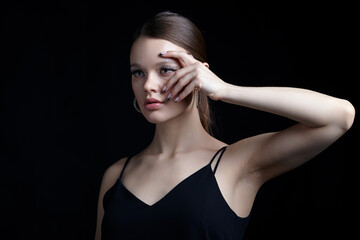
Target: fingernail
<point>162,53</point>
<point>169,96</point>
<point>164,89</point>
<point>177,99</point>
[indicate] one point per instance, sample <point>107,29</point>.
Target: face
<point>150,72</point>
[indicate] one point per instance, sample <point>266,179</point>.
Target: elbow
<point>348,116</point>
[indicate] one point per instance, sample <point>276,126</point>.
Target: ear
<point>206,64</point>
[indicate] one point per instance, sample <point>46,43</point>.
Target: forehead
<point>145,50</point>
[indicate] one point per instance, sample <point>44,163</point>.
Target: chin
<point>163,115</point>
<point>158,117</point>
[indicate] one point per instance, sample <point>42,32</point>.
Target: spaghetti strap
<point>197,197</point>
<point>222,150</point>
<point>122,171</point>
<point>217,163</point>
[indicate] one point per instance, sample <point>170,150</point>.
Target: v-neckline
<point>169,192</point>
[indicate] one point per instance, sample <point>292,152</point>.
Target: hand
<point>193,75</point>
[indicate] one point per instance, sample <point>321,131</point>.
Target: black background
<point>67,114</point>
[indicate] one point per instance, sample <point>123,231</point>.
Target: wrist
<point>224,91</point>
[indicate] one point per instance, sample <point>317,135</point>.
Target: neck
<point>179,134</point>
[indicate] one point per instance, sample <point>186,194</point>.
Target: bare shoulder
<point>116,167</point>
<point>239,154</point>
<point>246,147</point>
<point>112,173</point>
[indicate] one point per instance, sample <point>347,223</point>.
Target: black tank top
<point>194,209</point>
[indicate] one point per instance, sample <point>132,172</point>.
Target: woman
<point>187,184</point>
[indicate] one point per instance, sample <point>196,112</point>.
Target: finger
<point>188,90</point>
<point>183,82</point>
<point>183,57</point>
<point>177,75</point>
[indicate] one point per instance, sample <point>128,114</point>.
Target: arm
<point>322,119</point>
<point>109,178</point>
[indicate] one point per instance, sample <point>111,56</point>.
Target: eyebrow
<point>134,65</point>
<point>165,61</point>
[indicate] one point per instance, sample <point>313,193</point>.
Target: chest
<point>152,183</point>
<point>195,206</point>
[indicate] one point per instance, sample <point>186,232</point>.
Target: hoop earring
<point>197,98</point>
<point>135,105</point>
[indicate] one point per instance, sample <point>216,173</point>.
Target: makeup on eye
<point>136,72</point>
<point>167,69</point>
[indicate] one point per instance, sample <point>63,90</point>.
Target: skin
<point>247,163</point>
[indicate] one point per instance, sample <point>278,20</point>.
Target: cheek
<point>137,87</point>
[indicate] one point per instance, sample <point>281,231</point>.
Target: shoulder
<point>116,167</point>
<point>110,176</point>
<point>112,173</point>
<point>239,154</point>
<point>244,148</point>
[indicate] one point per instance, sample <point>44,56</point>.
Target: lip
<point>152,103</point>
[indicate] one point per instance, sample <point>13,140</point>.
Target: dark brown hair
<point>183,32</point>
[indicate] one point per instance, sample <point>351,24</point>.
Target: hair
<point>183,32</point>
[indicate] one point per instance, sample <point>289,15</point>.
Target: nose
<point>152,84</point>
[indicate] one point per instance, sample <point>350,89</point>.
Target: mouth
<point>153,103</point>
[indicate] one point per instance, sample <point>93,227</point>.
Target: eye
<point>137,73</point>
<point>167,70</point>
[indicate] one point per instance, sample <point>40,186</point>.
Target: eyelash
<point>168,69</point>
<point>163,70</point>
<point>135,72</point>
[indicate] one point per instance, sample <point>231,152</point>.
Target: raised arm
<point>322,119</point>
